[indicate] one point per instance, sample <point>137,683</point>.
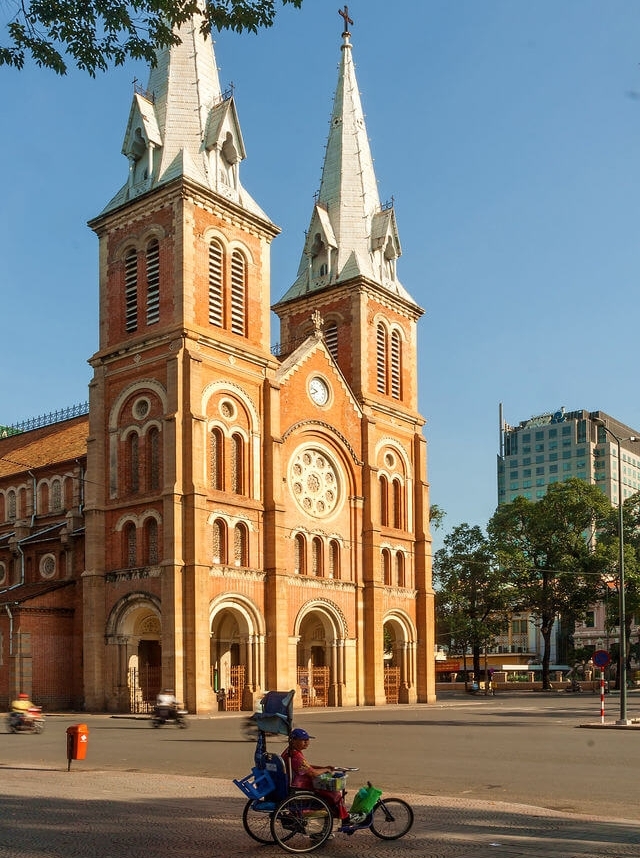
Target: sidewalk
<point>53,813</point>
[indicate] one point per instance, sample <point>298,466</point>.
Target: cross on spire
<point>347,20</point>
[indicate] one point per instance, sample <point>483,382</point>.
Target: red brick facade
<point>231,519</point>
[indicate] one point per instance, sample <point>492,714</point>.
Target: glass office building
<point>555,446</point>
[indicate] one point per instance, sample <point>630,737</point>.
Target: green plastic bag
<point>365,799</point>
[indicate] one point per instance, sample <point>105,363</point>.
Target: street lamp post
<point>622,609</point>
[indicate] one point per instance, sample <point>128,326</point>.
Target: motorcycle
<point>31,721</point>
<point>574,687</point>
<point>166,715</point>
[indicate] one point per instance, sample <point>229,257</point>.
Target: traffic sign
<point>601,658</point>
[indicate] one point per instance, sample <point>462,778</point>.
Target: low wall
<point>591,686</point>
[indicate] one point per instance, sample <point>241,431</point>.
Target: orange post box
<point>77,742</point>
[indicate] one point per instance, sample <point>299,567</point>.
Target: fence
<point>234,686</point>
<point>391,684</point>
<point>144,686</point>
<point>314,685</point>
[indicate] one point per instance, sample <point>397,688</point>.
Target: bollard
<point>77,742</point>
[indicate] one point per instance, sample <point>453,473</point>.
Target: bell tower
<point>184,305</point>
<point>348,277</point>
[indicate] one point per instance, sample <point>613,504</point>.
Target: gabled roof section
<point>39,448</point>
<point>184,125</point>
<point>28,592</point>
<point>223,128</point>
<point>142,127</point>
<point>362,240</point>
<point>294,362</point>
<point>45,534</point>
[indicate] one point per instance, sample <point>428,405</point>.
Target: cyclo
<point>300,820</point>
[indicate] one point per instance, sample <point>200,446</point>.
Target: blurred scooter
<point>30,721</point>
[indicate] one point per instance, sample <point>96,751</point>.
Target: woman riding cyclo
<point>303,773</point>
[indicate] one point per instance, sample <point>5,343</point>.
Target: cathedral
<point>227,518</point>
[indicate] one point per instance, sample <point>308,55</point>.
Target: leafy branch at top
<point>97,34</point>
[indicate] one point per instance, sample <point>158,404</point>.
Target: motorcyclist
<point>22,709</point>
<point>166,704</point>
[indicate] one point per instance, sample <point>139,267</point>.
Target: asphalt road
<point>526,749</point>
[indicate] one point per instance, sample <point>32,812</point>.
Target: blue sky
<point>506,132</point>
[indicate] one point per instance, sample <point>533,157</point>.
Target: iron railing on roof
<point>45,420</point>
<point>145,93</point>
<point>280,349</point>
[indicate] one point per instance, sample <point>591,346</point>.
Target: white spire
<point>350,233</point>
<point>184,125</point>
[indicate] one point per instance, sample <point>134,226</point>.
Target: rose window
<point>314,483</point>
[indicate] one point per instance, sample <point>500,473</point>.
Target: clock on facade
<point>319,391</point>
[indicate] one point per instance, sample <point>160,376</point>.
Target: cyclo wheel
<point>257,821</point>
<point>301,822</point>
<point>391,818</point>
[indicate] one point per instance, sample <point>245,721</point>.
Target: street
<point>522,748</point>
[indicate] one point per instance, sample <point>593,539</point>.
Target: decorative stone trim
<point>133,574</point>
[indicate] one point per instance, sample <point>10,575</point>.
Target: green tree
<point>98,33</point>
<point>471,597</point>
<point>436,516</point>
<point>547,551</point>
<point>608,551</point>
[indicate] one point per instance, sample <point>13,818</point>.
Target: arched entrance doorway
<point>399,659</point>
<point>320,655</point>
<point>134,653</point>
<point>237,660</point>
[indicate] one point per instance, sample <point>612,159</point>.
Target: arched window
<point>216,458</point>
<point>240,545</point>
<point>300,559</point>
<point>43,498</point>
<point>151,541</point>
<point>153,282</point>
<point>130,544</point>
<point>334,559</point>
<point>11,505</point>
<point>219,541</point>
<point>238,294</point>
<point>396,365</point>
<point>400,573</point>
<point>56,496</point>
<point>22,503</point>
<point>381,358</point>
<point>131,291</point>
<point>317,557</point>
<point>237,464</point>
<point>133,463</point>
<point>216,293</point>
<point>153,459</point>
<point>384,501</point>
<point>68,493</point>
<point>386,567</point>
<point>331,339</point>
<point>397,503</point>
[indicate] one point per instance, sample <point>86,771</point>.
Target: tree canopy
<point>546,551</point>
<point>608,552</point>
<point>472,596</point>
<point>95,34</point>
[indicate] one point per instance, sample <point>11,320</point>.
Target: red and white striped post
<point>601,659</point>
